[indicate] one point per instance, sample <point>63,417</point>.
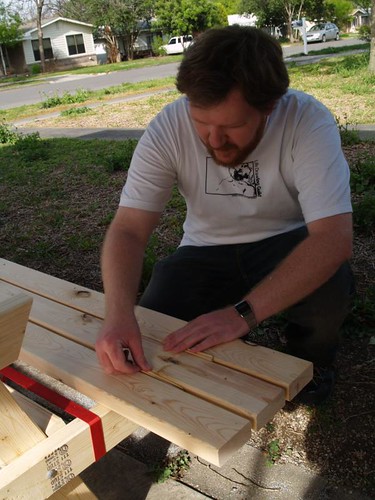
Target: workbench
<point>207,403</point>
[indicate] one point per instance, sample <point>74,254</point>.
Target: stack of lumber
<point>207,403</point>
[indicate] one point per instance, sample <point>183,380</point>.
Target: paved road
<point>32,94</point>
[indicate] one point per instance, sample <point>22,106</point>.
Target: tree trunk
<point>3,65</point>
<point>39,8</point>
<point>371,66</point>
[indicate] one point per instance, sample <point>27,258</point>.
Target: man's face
<point>230,130</point>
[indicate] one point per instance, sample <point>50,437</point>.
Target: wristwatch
<point>245,310</point>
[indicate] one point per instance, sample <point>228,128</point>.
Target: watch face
<point>243,308</point>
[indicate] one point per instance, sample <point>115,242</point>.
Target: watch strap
<point>246,312</point>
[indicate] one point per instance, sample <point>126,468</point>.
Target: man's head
<point>232,77</point>
<point>223,59</point>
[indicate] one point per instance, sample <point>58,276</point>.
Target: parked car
<point>178,44</point>
<point>322,32</point>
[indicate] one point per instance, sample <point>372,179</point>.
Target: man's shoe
<point>320,388</point>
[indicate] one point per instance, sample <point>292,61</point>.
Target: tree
<point>274,12</point>
<point>183,17</point>
<point>10,32</point>
<point>39,4</point>
<point>339,11</point>
<point>113,19</point>
<point>34,10</point>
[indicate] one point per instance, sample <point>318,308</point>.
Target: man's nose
<point>216,137</point>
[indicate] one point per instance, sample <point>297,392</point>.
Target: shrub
<point>35,69</point>
<point>364,33</point>
<point>75,111</point>
<point>80,95</point>
<point>7,135</point>
<point>364,213</point>
<point>157,46</point>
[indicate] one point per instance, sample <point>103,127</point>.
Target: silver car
<point>322,32</point>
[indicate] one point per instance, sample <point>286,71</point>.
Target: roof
<point>52,20</point>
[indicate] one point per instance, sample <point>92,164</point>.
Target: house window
<point>48,53</point>
<point>75,44</point>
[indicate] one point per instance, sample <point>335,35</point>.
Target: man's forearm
<point>122,259</point>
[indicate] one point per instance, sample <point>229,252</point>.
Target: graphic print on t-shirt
<point>238,181</point>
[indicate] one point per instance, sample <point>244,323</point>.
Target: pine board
<point>195,424</point>
<point>206,402</point>
<point>14,312</point>
<point>287,372</point>
<point>50,464</point>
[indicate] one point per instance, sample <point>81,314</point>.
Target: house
<point>360,17</point>
<point>67,44</point>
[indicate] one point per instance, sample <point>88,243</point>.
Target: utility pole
<point>305,51</point>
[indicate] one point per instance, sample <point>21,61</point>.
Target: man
<point>268,225</point>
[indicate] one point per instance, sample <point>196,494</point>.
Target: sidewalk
<point>245,476</point>
<point>366,132</point>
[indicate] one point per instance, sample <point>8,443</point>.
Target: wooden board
<point>288,372</point>
<point>50,464</point>
<point>18,433</point>
<point>14,312</point>
<point>190,373</point>
<point>47,421</point>
<point>212,432</point>
<point>206,403</point>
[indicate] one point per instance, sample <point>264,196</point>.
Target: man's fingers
<point>113,360</point>
<point>138,356</point>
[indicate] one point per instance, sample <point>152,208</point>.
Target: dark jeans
<point>196,280</point>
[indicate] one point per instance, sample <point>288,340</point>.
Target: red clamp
<point>70,407</point>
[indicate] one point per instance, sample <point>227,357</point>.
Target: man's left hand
<point>206,331</point>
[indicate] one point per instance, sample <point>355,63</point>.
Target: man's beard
<point>237,159</point>
<point>240,153</point>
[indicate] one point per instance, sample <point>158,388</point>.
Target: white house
<point>67,44</point>
<point>360,17</point>
<point>242,20</point>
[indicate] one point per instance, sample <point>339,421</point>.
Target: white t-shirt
<point>296,174</point>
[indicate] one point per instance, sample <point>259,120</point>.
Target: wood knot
<point>83,293</point>
<point>86,318</point>
<point>169,359</point>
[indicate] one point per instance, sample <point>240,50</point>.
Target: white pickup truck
<point>178,44</point>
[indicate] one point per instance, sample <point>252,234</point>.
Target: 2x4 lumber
<point>14,312</point>
<point>76,489</point>
<point>18,433</point>
<point>50,464</point>
<point>281,369</point>
<point>249,397</point>
<point>209,431</point>
<point>285,371</point>
<point>62,291</point>
<point>47,421</point>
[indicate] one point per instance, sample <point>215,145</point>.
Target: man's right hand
<point>119,348</point>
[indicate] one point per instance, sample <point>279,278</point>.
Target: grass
<point>59,103</point>
<point>333,50</point>
<point>343,84</point>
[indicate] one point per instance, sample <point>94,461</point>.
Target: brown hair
<point>222,59</point>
